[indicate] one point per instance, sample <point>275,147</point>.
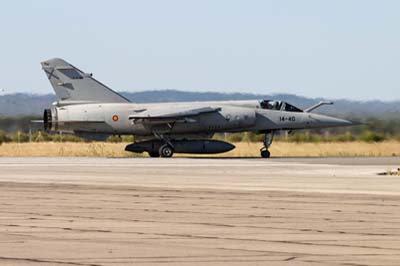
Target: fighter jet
<point>89,109</point>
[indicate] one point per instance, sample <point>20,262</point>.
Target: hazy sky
<point>337,49</point>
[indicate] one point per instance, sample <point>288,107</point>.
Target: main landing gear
<point>166,150</point>
<point>268,138</point>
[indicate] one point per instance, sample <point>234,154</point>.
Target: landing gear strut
<point>268,138</point>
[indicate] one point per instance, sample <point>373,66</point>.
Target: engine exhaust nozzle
<point>47,120</point>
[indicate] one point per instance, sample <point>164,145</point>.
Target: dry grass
<point>386,148</point>
<point>66,149</point>
<point>243,149</point>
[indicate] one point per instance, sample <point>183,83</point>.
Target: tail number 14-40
<point>287,118</point>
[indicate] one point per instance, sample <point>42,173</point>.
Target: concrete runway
<point>196,211</point>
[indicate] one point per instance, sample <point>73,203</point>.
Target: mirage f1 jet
<point>89,109</point>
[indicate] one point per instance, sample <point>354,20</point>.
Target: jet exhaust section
<point>47,120</point>
<point>51,120</point>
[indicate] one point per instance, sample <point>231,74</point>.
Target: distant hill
<point>21,104</point>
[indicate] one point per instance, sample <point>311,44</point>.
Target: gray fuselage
<point>232,116</point>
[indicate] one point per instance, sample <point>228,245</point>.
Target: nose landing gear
<point>268,138</point>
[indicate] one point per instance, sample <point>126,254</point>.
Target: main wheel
<point>166,151</point>
<point>154,154</point>
<point>265,154</point>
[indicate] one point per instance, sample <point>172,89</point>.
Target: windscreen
<point>271,105</point>
<point>292,108</point>
<point>279,106</point>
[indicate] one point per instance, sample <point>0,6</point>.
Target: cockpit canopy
<point>279,106</point>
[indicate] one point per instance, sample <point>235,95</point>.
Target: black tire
<point>154,154</point>
<point>265,154</point>
<point>166,151</point>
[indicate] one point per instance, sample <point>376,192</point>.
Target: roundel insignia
<point>115,118</point>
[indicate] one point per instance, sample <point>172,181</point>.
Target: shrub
<point>4,137</point>
<point>114,139</point>
<point>304,137</point>
<point>253,137</point>
<point>66,138</point>
<point>370,136</point>
<point>219,136</point>
<point>235,137</point>
<point>128,138</point>
<point>39,136</point>
<point>20,137</point>
<point>347,137</point>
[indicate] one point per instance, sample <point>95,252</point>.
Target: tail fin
<point>72,84</point>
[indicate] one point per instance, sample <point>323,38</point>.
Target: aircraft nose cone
<point>329,121</point>
<point>355,123</point>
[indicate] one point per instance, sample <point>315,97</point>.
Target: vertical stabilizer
<point>73,85</point>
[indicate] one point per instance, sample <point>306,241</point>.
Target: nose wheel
<point>265,154</point>
<point>268,138</point>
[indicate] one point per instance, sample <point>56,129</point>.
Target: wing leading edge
<point>182,114</point>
